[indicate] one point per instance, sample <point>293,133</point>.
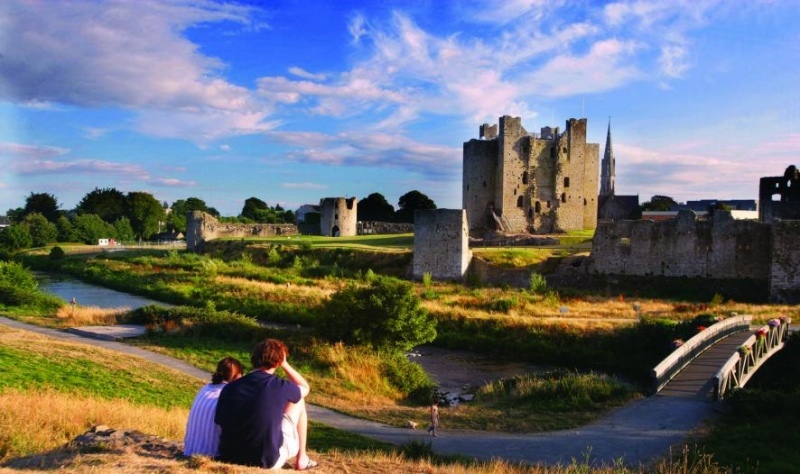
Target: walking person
<point>434,412</point>
<point>263,417</point>
<point>202,434</point>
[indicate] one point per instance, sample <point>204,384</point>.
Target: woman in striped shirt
<point>202,434</point>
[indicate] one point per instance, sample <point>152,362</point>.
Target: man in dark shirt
<point>262,416</point>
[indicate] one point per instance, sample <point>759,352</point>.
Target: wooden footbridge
<point>719,359</point>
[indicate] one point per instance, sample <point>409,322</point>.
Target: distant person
<point>263,417</point>
<point>202,434</point>
<point>434,412</point>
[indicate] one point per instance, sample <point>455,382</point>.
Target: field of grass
<point>37,420</point>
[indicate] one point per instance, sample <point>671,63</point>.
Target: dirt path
<point>635,434</point>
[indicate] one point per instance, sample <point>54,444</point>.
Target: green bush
<point>407,376</point>
<point>538,285</point>
<point>199,322</point>
<point>57,253</point>
<point>386,314</point>
<point>18,276</point>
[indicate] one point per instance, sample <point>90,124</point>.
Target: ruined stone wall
<point>382,228</point>
<point>540,185</point>
<point>785,270</point>
<point>478,183</point>
<point>684,247</point>
<point>338,216</point>
<point>441,244</point>
<point>202,227</point>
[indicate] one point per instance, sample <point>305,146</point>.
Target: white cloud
<point>171,183</point>
<point>18,150</point>
<point>303,186</point>
<point>77,167</point>
<point>225,147</point>
<point>131,55</point>
<point>299,72</point>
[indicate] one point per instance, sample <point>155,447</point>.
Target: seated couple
<point>258,419</point>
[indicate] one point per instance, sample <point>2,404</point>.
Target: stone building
<point>610,206</point>
<point>202,227</point>
<point>779,196</point>
<point>338,216</point>
<point>519,182</point>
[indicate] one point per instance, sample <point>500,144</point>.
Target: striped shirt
<point>202,434</point>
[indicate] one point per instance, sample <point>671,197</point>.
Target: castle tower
<point>520,182</point>
<point>607,173</point>
<point>338,216</point>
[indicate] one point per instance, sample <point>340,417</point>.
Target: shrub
<point>199,322</point>
<point>57,253</point>
<point>538,284</point>
<point>407,376</point>
<point>384,315</point>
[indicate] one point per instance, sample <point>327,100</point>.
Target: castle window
<point>548,203</point>
<point>336,216</point>
<point>564,149</point>
<point>553,152</point>
<point>530,213</point>
<point>519,201</point>
<point>563,197</point>
<point>524,177</point>
<point>584,201</point>
<point>538,207</point>
<point>566,182</point>
<point>484,184</point>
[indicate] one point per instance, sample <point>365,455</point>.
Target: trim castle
<point>518,182</point>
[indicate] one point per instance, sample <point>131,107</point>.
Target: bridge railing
<point>668,368</point>
<point>759,347</point>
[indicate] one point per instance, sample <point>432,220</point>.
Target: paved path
<point>635,434</point>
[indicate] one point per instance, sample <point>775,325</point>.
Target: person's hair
<point>228,370</point>
<point>268,354</point>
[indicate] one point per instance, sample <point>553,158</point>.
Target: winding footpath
<point>635,434</point>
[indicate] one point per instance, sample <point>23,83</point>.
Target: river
<point>86,294</point>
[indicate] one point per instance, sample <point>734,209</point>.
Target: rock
<point>102,438</point>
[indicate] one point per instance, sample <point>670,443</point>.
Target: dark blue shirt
<point>250,412</point>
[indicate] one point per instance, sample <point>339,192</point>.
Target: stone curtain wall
<point>202,227</point>
<point>478,183</point>
<point>785,271</point>
<point>684,247</point>
<point>441,244</point>
<point>383,228</point>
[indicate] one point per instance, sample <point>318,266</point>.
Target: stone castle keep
<point>518,182</point>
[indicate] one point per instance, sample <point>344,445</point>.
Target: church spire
<point>607,167</point>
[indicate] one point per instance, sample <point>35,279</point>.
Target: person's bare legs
<point>297,412</point>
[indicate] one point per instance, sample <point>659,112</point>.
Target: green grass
<point>388,242</point>
<point>76,371</point>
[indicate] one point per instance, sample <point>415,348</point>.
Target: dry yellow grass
<point>72,316</point>
<point>297,294</point>
<point>45,420</point>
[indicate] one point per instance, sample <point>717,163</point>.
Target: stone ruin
<point>441,244</point>
<point>202,227</point>
<point>719,248</point>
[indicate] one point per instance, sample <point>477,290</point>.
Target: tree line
<point>126,217</point>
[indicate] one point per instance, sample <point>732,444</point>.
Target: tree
<point>41,230</point>
<point>123,231</point>
<point>43,203</point>
<point>384,315</point>
<point>659,203</point>
<point>145,214</point>
<point>251,208</point>
<point>375,207</point>
<point>66,231</point>
<point>90,227</point>
<point>409,203</point>
<point>107,203</point>
<point>15,215</point>
<point>15,237</point>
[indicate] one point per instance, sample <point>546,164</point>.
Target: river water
<point>86,294</point>
<point>455,372</point>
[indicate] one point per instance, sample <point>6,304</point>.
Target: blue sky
<point>292,101</point>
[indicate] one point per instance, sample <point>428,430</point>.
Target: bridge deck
<point>694,381</point>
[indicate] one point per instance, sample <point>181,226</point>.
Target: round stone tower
<point>338,216</point>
